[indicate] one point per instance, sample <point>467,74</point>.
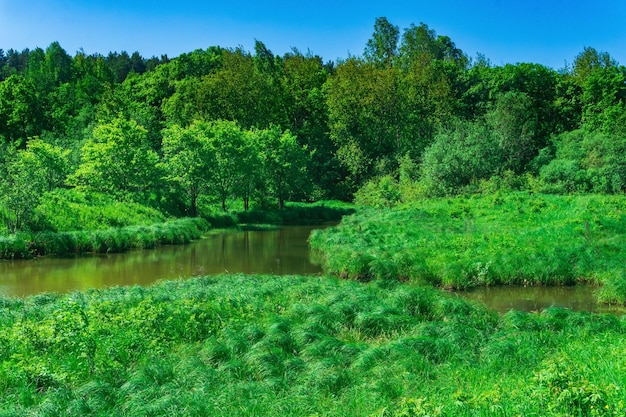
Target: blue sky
<point>550,32</point>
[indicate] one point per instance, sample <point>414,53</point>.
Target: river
<point>283,251</point>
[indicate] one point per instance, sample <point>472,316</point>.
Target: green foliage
<point>298,213</point>
<point>302,346</point>
<point>117,159</point>
<point>587,162</point>
<point>65,210</point>
<point>379,192</point>
<point>514,239</point>
<point>284,163</point>
<point>27,175</point>
<point>458,157</point>
<point>235,161</point>
<point>13,246</point>
<point>515,126</point>
<point>109,240</point>
<point>188,161</point>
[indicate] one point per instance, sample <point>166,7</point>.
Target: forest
<point>412,117</point>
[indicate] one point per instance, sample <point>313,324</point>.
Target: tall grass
<point>103,240</point>
<point>65,210</point>
<point>513,239</point>
<point>301,346</point>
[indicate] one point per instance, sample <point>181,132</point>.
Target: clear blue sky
<point>549,32</point>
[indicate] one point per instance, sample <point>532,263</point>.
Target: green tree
<point>514,123</point>
<point>421,42</point>
<point>20,115</point>
<point>58,65</point>
<point>24,177</point>
<point>188,161</point>
<point>237,90</point>
<point>284,164</point>
<point>303,79</point>
<point>604,99</point>
<point>589,60</point>
<point>366,118</point>
<point>230,154</point>
<point>382,47</point>
<point>587,162</point>
<point>459,156</point>
<point>117,158</point>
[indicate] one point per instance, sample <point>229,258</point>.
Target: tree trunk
<point>193,210</point>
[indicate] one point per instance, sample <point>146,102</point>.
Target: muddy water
<point>503,299</point>
<point>281,252</point>
<point>284,251</point>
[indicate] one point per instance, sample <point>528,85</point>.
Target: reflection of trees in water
<point>282,251</point>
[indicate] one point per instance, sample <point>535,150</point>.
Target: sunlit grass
<point>301,346</point>
<point>514,239</point>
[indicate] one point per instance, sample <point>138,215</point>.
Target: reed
<point>301,346</point>
<point>459,243</point>
<point>102,240</point>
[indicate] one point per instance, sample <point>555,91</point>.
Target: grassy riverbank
<point>110,240</point>
<point>301,346</point>
<point>513,239</point>
<point>112,227</point>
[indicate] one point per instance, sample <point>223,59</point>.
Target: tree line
<point>412,116</point>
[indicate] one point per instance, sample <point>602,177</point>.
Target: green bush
<point>13,247</point>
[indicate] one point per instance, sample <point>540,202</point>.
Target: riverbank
<point>112,240</point>
<point>176,231</point>
<point>515,239</point>
<point>300,346</point>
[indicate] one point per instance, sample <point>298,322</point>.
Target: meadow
<point>240,345</point>
<point>499,239</point>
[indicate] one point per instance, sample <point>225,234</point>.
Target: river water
<point>283,251</point>
<point>280,252</point>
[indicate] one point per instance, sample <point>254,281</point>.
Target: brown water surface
<point>503,299</point>
<point>283,251</point>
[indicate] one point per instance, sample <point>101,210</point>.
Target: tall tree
<point>230,150</point>
<point>382,47</point>
<point>20,115</point>
<point>514,124</point>
<point>284,164</point>
<point>188,161</point>
<point>365,117</point>
<point>303,79</point>
<point>118,159</point>
<point>421,42</point>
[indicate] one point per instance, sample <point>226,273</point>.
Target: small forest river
<point>283,251</point>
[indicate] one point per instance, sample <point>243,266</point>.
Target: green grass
<point>458,243</point>
<point>301,346</point>
<point>111,240</point>
<point>68,210</point>
<point>73,222</point>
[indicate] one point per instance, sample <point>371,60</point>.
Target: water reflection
<point>282,251</point>
<point>503,299</point>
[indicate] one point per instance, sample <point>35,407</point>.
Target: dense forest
<point>412,117</point>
